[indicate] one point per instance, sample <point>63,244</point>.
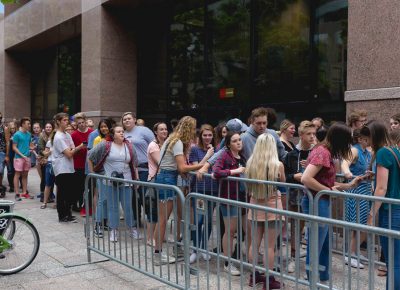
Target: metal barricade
<point>290,242</point>
<point>216,271</point>
<point>113,231</point>
<point>347,243</point>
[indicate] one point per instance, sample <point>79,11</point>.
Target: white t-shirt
<point>48,145</point>
<point>118,160</point>
<point>61,163</point>
<point>169,162</point>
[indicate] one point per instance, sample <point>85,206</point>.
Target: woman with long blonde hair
<point>264,164</point>
<point>172,163</point>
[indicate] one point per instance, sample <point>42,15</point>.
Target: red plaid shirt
<point>222,168</point>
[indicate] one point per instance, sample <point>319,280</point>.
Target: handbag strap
<point>159,163</point>
<point>394,154</point>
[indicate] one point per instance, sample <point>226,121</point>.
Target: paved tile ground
<point>64,245</point>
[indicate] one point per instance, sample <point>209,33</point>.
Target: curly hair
<point>184,131</point>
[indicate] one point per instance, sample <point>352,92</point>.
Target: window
<point>220,59</point>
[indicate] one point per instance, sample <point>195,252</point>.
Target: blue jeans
<point>323,238</point>
<point>166,177</point>
<point>101,206</point>
<point>2,163</point>
<point>203,231</point>
<point>395,225</point>
<point>49,175</point>
<point>115,195</point>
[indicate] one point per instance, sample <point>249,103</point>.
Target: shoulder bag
<point>151,191</point>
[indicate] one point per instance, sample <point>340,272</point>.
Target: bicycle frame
<point>5,244</point>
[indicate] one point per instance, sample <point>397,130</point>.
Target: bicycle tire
<point>11,234</point>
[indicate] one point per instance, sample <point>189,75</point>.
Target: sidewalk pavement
<point>63,245</point>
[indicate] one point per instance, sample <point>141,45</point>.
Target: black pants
<point>138,198</point>
<point>79,180</point>
<point>65,188</point>
<point>43,179</point>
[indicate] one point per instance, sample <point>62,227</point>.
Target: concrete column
<point>373,73</point>
<point>17,88</point>
<point>109,73</point>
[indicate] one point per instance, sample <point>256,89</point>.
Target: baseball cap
<point>236,125</point>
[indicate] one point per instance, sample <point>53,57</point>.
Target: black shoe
<point>64,220</point>
<point>18,197</point>
<point>41,200</point>
<point>11,189</point>
<point>98,232</point>
<point>72,219</point>
<point>50,200</point>
<point>2,194</point>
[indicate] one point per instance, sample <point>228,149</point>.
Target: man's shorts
<point>22,164</point>
<point>2,163</point>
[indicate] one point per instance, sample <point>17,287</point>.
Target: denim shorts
<point>229,210</point>
<point>166,177</point>
<point>2,163</point>
<point>49,175</point>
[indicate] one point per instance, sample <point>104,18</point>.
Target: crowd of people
<point>67,149</point>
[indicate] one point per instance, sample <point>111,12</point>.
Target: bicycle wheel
<point>25,242</point>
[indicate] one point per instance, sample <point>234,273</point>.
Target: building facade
<point>213,59</point>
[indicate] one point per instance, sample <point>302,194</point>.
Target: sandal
<point>43,206</point>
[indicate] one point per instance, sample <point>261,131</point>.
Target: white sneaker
<point>113,236</point>
<point>178,253</point>
<point>232,269</point>
<point>163,259</point>
<point>353,263</point>
<point>291,266</point>
<point>135,234</point>
<point>363,258</point>
<point>206,256</point>
<point>192,258</point>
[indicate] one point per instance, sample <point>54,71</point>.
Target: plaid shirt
<point>222,168</point>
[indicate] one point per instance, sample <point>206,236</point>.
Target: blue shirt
<point>91,138</point>
<point>207,184</point>
<point>363,161</point>
<point>140,137</point>
<point>22,140</point>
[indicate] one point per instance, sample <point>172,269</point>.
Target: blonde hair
<point>79,116</point>
<point>263,164</point>
<point>285,124</point>
<point>304,125</point>
<point>184,131</point>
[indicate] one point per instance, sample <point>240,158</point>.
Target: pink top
<point>274,201</point>
<point>153,147</point>
<point>321,156</point>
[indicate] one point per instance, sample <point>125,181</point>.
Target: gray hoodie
<point>249,139</point>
